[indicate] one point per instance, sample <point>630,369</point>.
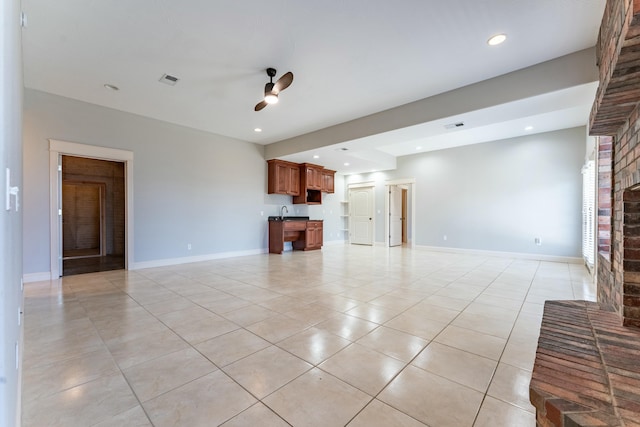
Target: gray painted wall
<point>496,196</point>
<point>189,186</point>
<point>10,221</point>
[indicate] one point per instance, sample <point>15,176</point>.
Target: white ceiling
<point>350,59</point>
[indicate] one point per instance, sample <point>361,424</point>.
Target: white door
<point>361,215</point>
<point>395,216</point>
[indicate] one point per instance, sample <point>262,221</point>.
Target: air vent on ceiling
<point>169,79</point>
<point>454,125</point>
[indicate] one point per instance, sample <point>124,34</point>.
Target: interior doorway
<point>93,215</point>
<point>400,218</point>
<point>361,215</point>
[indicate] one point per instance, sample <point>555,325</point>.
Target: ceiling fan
<point>271,89</point>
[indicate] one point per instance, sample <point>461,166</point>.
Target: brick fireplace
<point>587,368</point>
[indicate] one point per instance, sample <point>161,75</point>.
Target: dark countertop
<point>289,218</point>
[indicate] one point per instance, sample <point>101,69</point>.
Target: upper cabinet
<point>328,179</point>
<point>310,185</point>
<point>284,178</point>
<point>305,182</point>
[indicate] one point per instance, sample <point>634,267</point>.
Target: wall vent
<point>454,125</point>
<point>169,79</point>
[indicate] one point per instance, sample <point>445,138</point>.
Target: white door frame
<point>408,182</point>
<point>59,148</point>
<point>367,184</point>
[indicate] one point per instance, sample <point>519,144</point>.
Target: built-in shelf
<point>344,217</point>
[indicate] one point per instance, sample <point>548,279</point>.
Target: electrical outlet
<point>444,237</point>
<point>538,241</point>
<point>188,246</point>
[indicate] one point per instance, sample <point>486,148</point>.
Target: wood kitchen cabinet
<point>284,178</point>
<point>305,181</point>
<point>314,235</point>
<point>310,185</point>
<point>328,180</point>
<point>303,234</point>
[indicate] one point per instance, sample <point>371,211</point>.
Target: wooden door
<point>82,219</point>
<point>361,216</point>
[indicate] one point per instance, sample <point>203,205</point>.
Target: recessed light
<point>315,156</point>
<point>111,87</point>
<point>418,148</point>
<point>497,39</point>
<point>529,128</point>
<point>346,164</point>
<point>257,130</point>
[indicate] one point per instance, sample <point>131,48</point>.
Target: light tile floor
<point>350,335</point>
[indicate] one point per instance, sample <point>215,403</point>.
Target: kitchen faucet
<point>283,208</point>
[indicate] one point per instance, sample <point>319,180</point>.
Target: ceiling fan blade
<point>260,105</point>
<point>283,82</point>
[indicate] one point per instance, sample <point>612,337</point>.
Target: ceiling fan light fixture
<point>271,98</point>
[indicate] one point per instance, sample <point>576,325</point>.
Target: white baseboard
<point>197,258</point>
<point>36,277</point>
<point>334,242</point>
<point>535,257</point>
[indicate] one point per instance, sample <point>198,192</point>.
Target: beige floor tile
<point>167,306</point>
<point>511,385</point>
<point>397,300</point>
<point>257,415</point>
<point>432,312</point>
<point>374,313</point>
<point>393,302</point>
<point>226,305</point>
<point>497,413</point>
<point>115,330</point>
<point>86,404</point>
<point>44,380</point>
<point>431,399</point>
<point>414,324</point>
<point>267,370</point>
<point>132,352</point>
<point>228,348</point>
<point>348,327</point>
<point>276,328</point>
<point>457,365</point>
<point>134,417</point>
<point>472,341</point>
<point>363,368</point>
<point>249,315</point>
<point>317,399</point>
<point>314,345</point>
<point>483,323</point>
<point>187,315</point>
<point>338,302</point>
<point>60,350</point>
<point>154,377</point>
<point>378,414</point>
<point>394,343</point>
<point>520,352</point>
<point>446,302</point>
<point>207,401</point>
<point>204,329</point>
<point>311,314</point>
<point>283,303</point>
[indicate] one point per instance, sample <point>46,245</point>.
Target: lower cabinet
<point>303,234</point>
<point>314,234</point>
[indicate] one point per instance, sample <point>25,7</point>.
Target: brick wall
<point>616,114</point>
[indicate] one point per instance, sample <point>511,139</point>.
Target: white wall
<point>10,221</point>
<point>496,196</point>
<point>189,186</point>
